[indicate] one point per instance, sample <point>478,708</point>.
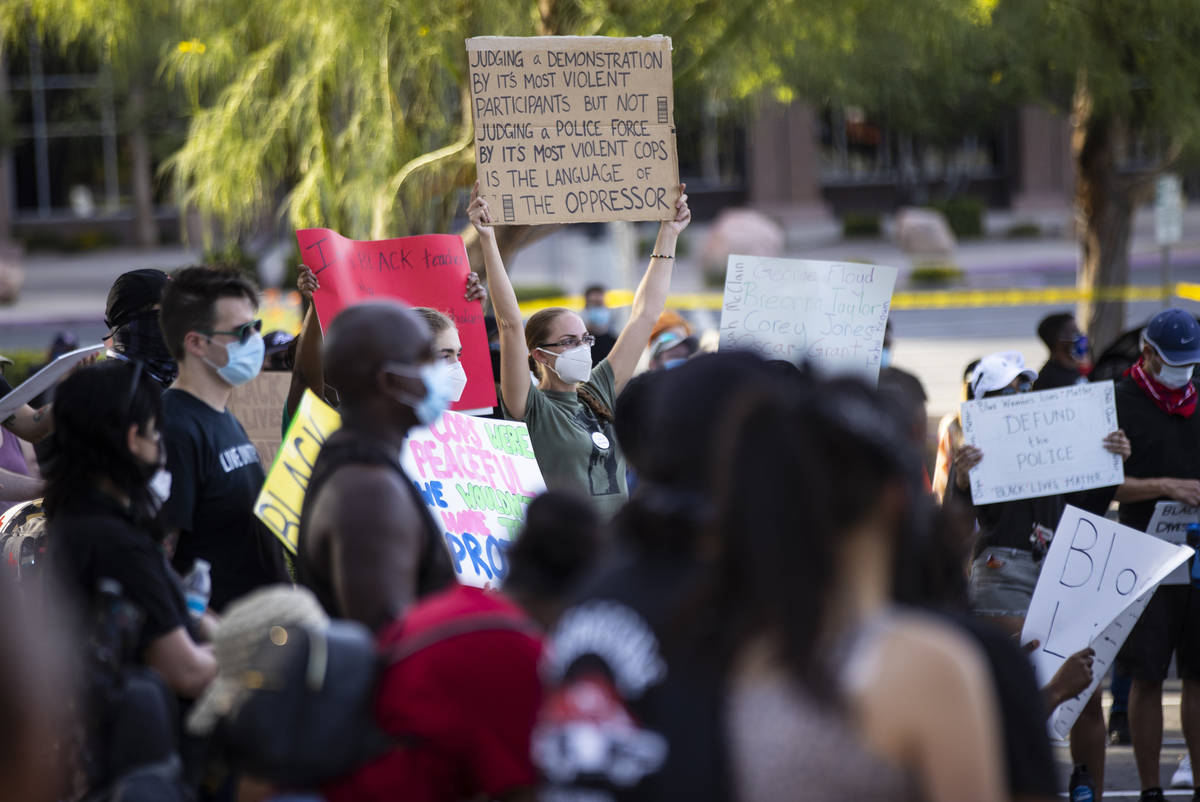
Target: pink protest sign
<point>429,270</point>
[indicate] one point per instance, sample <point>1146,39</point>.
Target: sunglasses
<point>1022,387</point>
<point>243,333</point>
<point>571,342</point>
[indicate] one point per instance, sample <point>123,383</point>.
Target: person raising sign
<point>569,412</point>
<point>309,370</point>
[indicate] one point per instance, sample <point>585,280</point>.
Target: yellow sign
<point>282,496</point>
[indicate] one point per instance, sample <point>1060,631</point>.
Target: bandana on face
<point>141,338</point>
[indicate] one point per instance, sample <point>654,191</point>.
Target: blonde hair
<point>437,321</point>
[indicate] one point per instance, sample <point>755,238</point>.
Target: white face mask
<point>1174,376</point>
<point>573,365</point>
<point>456,382</point>
<point>160,488</point>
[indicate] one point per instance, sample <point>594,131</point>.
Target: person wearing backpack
<point>440,707</point>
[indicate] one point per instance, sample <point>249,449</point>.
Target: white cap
<point>997,371</point>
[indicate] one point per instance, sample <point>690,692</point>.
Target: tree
<point>1125,70</point>
<point>355,116</point>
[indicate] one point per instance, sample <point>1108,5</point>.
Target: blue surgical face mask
<point>245,360</point>
<point>885,358</point>
<point>1079,347</point>
<point>438,380</point>
<point>671,364</point>
<point>597,317</point>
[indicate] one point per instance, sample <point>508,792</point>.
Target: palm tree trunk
<point>145,226</point>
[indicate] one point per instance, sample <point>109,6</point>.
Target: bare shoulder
<point>357,496</point>
<point>923,651</point>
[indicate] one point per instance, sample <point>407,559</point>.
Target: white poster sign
<point>44,379</point>
<point>830,314</point>
<point>1042,444</point>
<point>477,476</point>
<point>1095,581</point>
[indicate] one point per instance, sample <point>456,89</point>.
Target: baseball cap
<point>1175,335</point>
<point>235,641</point>
<point>997,371</point>
<point>131,294</point>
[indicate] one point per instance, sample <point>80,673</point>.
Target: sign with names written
<point>429,270</point>
<point>830,314</point>
<point>1170,522</point>
<point>476,475</point>
<point>1095,581</point>
<point>1043,443</point>
<point>574,129</point>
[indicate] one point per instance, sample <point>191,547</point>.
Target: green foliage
<point>87,240</point>
<point>1023,231</point>
<point>26,362</point>
<point>929,276</point>
<point>861,225</point>
<point>964,215</point>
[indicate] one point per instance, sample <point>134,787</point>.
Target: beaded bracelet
<point>660,256</point>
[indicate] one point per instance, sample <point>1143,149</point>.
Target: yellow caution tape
<point>925,299</point>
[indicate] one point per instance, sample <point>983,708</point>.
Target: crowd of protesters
<point>743,583</point>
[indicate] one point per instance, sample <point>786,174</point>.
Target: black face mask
<point>141,338</point>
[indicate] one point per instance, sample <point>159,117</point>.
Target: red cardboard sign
<point>429,270</point>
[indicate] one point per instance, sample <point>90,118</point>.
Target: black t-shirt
<point>1162,445</point>
<point>1054,375</point>
<point>95,539</point>
<point>1010,524</point>
<point>653,726</point>
<point>1031,769</point>
<point>215,479</point>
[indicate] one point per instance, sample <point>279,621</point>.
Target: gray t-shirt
<point>575,450</point>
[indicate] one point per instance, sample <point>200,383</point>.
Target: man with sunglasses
<point>211,326</point>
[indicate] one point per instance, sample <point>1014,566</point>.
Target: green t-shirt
<point>575,450</point>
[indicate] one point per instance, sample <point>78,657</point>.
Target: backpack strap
<point>486,622</point>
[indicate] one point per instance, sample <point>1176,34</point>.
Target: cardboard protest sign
<point>280,501</point>
<point>1043,443</point>
<point>44,379</point>
<point>1170,522</point>
<point>574,129</point>
<point>830,314</point>
<point>476,476</point>
<point>429,270</point>
<point>1095,581</point>
<point>258,406</point>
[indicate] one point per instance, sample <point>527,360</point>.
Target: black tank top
<point>346,447</point>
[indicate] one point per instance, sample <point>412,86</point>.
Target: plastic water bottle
<point>1082,789</point>
<point>197,587</point>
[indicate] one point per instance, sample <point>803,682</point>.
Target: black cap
<point>133,293</point>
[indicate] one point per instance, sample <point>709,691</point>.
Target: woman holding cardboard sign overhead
<point>569,412</point>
